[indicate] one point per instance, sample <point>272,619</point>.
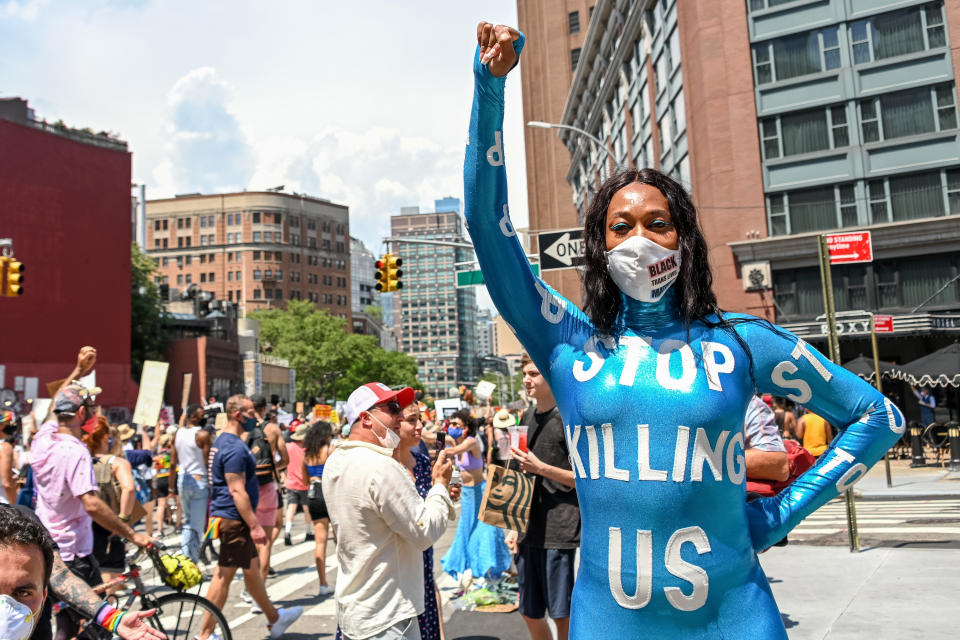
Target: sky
<point>365,103</point>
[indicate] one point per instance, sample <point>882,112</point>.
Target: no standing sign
<point>846,248</point>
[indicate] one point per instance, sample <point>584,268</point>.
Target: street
<point>901,580</point>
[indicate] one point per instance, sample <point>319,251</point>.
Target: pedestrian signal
<point>393,272</point>
<point>14,282</point>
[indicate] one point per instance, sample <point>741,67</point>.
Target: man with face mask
<point>381,524</point>
<point>234,493</point>
<point>67,498</point>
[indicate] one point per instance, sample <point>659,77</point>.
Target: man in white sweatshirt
<point>381,524</point>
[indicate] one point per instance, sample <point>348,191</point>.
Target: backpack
<point>107,485</point>
<point>262,452</point>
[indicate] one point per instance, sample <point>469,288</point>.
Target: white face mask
<point>642,268</point>
<point>390,441</point>
<point>16,619</point>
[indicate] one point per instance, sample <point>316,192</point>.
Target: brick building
<point>255,248</point>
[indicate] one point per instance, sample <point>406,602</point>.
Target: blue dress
<point>430,618</point>
<point>654,422</point>
<point>477,546</point>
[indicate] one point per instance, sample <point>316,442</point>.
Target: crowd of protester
<point>383,487</point>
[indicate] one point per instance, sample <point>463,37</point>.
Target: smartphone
<point>441,441</point>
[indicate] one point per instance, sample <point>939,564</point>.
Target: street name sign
<point>846,248</point>
<point>883,324</point>
<point>471,278</point>
<point>561,249</point>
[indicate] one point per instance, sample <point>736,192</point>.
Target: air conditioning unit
<point>756,276</point>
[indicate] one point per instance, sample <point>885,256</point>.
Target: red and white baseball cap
<point>374,393</point>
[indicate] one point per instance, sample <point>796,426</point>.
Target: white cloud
<point>206,148</point>
<point>28,10</point>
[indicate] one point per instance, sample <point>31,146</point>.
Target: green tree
<point>329,361</point>
<point>375,312</point>
<point>501,395</point>
<point>148,337</point>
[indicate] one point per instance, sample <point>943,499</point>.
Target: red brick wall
<point>66,205</point>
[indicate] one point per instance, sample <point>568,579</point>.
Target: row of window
<point>881,285</point>
<point>885,117</point>
<point>256,217</point>
<point>879,37</point>
<point>892,199</point>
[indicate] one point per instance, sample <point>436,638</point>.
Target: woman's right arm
<point>539,316</point>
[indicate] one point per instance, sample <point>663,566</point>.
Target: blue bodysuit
<point>654,424</point>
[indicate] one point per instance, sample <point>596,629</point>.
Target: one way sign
<point>561,249</point>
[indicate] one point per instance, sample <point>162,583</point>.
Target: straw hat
<point>301,432</point>
<point>502,419</point>
<point>126,432</point>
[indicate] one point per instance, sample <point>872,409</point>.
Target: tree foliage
<point>148,337</point>
<point>329,361</point>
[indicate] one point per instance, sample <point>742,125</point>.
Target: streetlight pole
<point>536,124</point>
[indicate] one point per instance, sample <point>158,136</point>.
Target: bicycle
<point>178,614</point>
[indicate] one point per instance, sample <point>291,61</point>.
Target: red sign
<point>883,324</point>
<point>845,248</point>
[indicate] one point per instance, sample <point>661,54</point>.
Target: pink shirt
<point>295,469</point>
<point>63,471</point>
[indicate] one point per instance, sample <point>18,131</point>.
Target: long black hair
<point>694,284</point>
<point>318,436</point>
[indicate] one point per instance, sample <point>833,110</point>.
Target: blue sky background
<point>362,102</point>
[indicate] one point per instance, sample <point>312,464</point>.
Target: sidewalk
<point>908,483</point>
<point>828,592</point>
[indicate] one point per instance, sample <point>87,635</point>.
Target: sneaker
<point>286,539</point>
<point>324,590</point>
<point>255,609</point>
<point>246,597</point>
<point>213,636</point>
<point>309,537</point>
<point>286,616</point>
<point>271,572</point>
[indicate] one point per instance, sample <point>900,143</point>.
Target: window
<point>203,221</point>
<point>278,294</point>
<point>164,224</point>
<point>179,278</point>
<point>574,21</point>
<point>164,243</point>
<point>156,243</point>
<point>796,55</point>
<point>256,294</point>
<point>256,274</point>
<point>256,255</point>
<point>238,276</point>
<point>759,5</point>
<point>953,190</point>
<point>211,276</point>
<point>203,277</point>
<point>203,240</point>
<point>268,293</point>
<point>816,209</point>
<point>189,260</point>
<point>210,221</point>
<point>189,220</point>
<point>256,236</point>
<point>804,132</point>
<point>229,276</point>
<point>230,218</point>
<point>179,223</point>
<point>908,113</point>
<point>574,59</point>
<point>179,242</point>
<point>188,278</point>
<point>256,217</point>
<point>156,225</point>
<point>165,261</point>
<point>268,236</point>
<point>898,33</point>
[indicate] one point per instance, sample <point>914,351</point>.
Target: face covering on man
<point>391,440</point>
<point>642,269</point>
<point>16,619</point>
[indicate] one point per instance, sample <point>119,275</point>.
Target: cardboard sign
<point>485,389</point>
<point>220,422</point>
<point>299,408</point>
<point>53,387</point>
<point>187,381</point>
<point>152,381</point>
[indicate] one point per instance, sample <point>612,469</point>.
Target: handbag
<point>507,498</point>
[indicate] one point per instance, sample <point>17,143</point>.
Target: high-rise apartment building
<point>787,119</point>
<point>436,320</point>
<point>255,248</point>
<point>555,33</point>
<point>484,333</point>
<point>363,292</point>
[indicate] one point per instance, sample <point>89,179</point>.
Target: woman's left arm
<point>123,472</point>
<point>867,422</point>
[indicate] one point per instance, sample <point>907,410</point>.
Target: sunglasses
<point>393,407</point>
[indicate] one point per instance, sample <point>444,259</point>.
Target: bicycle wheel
<point>181,615</point>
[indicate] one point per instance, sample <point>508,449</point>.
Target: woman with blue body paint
<point>652,382</point>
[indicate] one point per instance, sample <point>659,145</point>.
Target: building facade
<point>555,33</point>
<point>65,205</point>
<point>257,249</point>
<point>788,119</point>
<point>484,333</point>
<point>437,321</point>
<point>363,292</point>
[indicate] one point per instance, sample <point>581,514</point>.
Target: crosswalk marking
<point>893,517</point>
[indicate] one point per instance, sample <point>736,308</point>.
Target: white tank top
<point>189,455</point>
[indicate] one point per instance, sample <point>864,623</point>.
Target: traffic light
<point>393,272</point>
<point>14,282</point>
<point>381,275</point>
